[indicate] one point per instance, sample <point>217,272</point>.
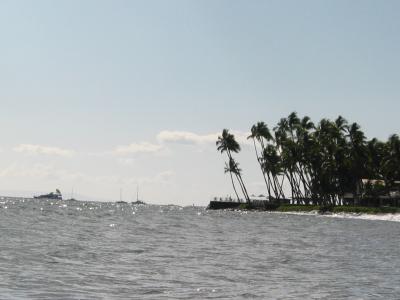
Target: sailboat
<point>120,198</point>
<point>72,196</point>
<point>137,197</point>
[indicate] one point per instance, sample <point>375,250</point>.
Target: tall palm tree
<point>358,154</point>
<point>391,163</point>
<point>227,143</point>
<point>303,134</point>
<point>271,163</point>
<point>232,168</point>
<point>262,134</point>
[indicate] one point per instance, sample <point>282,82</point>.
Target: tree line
<point>319,162</point>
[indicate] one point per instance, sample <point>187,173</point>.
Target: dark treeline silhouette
<point>322,163</point>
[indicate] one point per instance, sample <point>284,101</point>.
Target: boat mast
<point>137,192</point>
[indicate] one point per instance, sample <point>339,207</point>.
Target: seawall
<point>223,204</point>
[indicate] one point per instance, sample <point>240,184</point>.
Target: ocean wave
<point>374,217</point>
<point>360,216</point>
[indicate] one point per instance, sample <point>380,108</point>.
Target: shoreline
<point>338,209</point>
<point>390,217</point>
<point>300,208</point>
<point>369,216</point>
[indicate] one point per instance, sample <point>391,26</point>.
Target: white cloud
<point>143,147</point>
<point>126,161</point>
<point>163,177</point>
<point>51,173</point>
<point>35,171</point>
<point>170,137</point>
<point>39,149</point>
<point>186,137</point>
<point>241,137</point>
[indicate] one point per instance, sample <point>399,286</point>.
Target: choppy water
<point>81,250</point>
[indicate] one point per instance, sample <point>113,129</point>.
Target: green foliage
<point>228,144</point>
<point>245,206</point>
<point>320,162</point>
<point>297,208</point>
<point>374,189</point>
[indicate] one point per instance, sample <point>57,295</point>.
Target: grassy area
<point>297,208</point>
<point>333,209</point>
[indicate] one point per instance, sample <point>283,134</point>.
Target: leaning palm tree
<point>271,163</point>
<point>232,168</point>
<point>262,134</point>
<point>228,144</point>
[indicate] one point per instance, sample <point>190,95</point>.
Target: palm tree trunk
<point>262,169</point>
<point>248,198</point>
<point>291,185</point>
<point>273,185</point>
<point>234,188</point>
<point>244,191</point>
<point>280,185</point>
<point>239,178</point>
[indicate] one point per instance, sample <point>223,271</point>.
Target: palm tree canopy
<point>306,123</point>
<point>259,131</point>
<point>233,167</point>
<point>227,142</point>
<point>293,120</point>
<point>341,123</point>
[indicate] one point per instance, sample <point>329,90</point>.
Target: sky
<point>103,96</point>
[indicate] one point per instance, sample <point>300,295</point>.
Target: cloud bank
<point>143,147</point>
<point>46,150</point>
<point>190,138</point>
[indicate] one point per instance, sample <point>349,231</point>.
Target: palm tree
<point>261,133</point>
<point>232,168</point>
<point>358,154</point>
<point>227,143</point>
<point>271,163</point>
<point>288,148</point>
<point>320,162</point>
<point>391,162</point>
<point>303,134</point>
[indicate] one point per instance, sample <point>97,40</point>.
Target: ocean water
<point>88,250</point>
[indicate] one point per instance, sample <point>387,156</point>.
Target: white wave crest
<point>377,217</point>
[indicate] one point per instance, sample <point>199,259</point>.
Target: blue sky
<point>80,81</point>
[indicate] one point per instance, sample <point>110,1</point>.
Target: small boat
<point>72,196</point>
<point>55,196</point>
<point>120,198</point>
<point>138,202</point>
<point>137,197</point>
<point>71,199</point>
